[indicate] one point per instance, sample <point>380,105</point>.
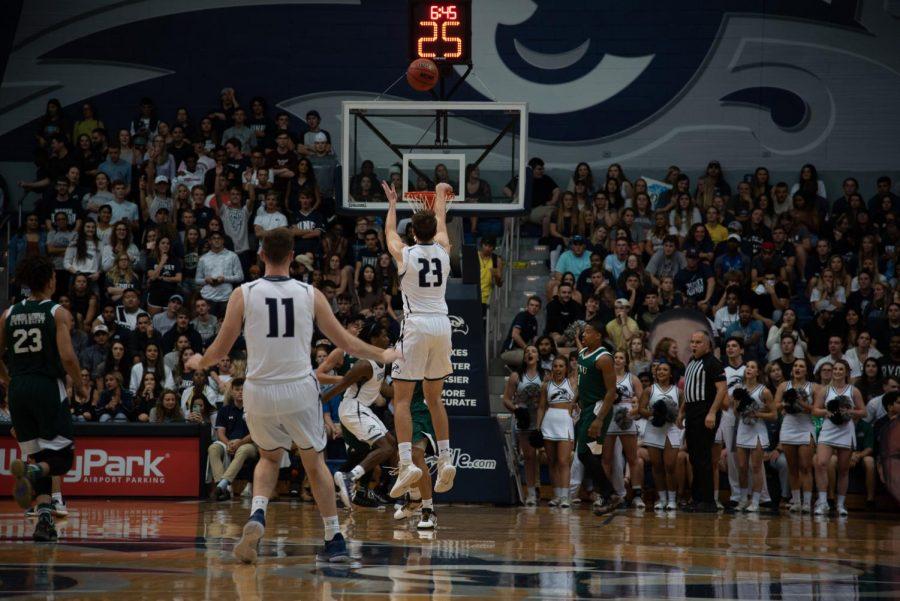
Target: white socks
<point>58,498</point>
<point>332,527</point>
<point>823,497</point>
<point>444,449</point>
<point>795,496</point>
<point>259,503</point>
<point>840,500</point>
<point>428,504</point>
<point>756,498</point>
<point>404,449</point>
<point>807,497</point>
<point>357,472</point>
<point>223,483</point>
<point>671,495</point>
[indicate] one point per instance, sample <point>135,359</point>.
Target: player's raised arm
<point>332,328</point>
<point>442,194</point>
<point>228,333</point>
<point>392,238</point>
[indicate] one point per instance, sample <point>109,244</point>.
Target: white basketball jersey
<point>278,328</point>
<point>734,376</point>
<point>559,393</point>
<point>625,389</point>
<point>670,395</point>
<point>426,269</point>
<point>365,393</point>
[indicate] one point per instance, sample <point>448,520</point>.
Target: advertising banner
<point>482,475</point>
<point>466,391</point>
<point>123,466</point>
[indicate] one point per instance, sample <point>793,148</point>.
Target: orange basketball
<point>422,74</point>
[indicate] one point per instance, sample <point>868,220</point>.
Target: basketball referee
<point>704,390</point>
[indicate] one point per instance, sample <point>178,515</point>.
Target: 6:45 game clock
<point>441,31</point>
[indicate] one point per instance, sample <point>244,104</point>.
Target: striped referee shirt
<point>700,378</point>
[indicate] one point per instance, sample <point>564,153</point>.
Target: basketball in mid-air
<point>422,74</point>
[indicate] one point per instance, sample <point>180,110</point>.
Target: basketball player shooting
<point>425,336</point>
<point>281,394</point>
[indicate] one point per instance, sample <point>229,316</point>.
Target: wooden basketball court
<point>181,550</point>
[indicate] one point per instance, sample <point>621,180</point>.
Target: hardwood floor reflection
<point>167,550</point>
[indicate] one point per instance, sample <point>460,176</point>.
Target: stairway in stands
<point>529,277</point>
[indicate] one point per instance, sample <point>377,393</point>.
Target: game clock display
<point>441,31</point>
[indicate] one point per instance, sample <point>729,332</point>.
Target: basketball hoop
<point>423,200</point>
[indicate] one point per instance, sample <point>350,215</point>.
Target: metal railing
<point>9,224</point>
<point>508,249</point>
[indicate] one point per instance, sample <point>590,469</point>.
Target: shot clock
<point>441,31</point>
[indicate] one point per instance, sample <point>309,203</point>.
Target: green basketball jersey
<point>346,365</point>
<point>31,340</point>
<point>591,387</point>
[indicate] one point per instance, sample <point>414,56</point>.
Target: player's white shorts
<point>280,413</point>
<point>361,421</point>
<point>425,342</point>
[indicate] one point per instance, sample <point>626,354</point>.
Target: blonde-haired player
<point>425,344</point>
<point>281,394</point>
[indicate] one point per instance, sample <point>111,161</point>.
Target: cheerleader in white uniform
<point>752,437</point>
<point>662,441</point>
<point>519,387</point>
<point>724,439</point>
<point>840,438</point>
<point>554,419</point>
<point>629,391</point>
<point>797,435</point>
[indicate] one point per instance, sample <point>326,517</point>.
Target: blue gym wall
<point>644,83</point>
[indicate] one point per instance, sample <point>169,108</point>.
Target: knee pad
<point>59,461</point>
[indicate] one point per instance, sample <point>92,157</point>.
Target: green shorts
<point>40,413</point>
<point>422,428</point>
<point>581,429</point>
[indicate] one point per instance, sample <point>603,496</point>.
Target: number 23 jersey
<point>423,280</point>
<point>31,339</point>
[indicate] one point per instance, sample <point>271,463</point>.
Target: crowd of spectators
<point>787,269</point>
<point>153,222</point>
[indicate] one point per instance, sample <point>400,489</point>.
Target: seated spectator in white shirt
<point>863,350</point>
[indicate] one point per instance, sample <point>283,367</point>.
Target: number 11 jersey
<point>278,328</point>
<point>423,281</point>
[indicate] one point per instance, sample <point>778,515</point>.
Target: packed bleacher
<point>153,222</point>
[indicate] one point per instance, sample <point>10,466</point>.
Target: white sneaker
<point>821,508</point>
<point>671,506</point>
<point>806,508</point>
<point>531,502</point>
<point>565,503</point>
<point>345,486</point>
<point>428,520</point>
<point>743,505</point>
<point>659,505</point>
<point>407,510</point>
<point>842,511</point>
<point>598,502</point>
<point>752,508</point>
<point>719,505</point>
<point>408,476</point>
<point>446,472</point>
<point>554,502</point>
<point>638,503</point>
<point>60,510</point>
<point>795,507</point>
